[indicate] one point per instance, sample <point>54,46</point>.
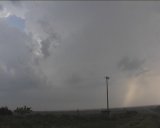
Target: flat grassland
<point>120,118</point>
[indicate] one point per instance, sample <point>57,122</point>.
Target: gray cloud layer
<point>60,60</point>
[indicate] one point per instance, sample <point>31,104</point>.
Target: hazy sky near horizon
<point>55,55</point>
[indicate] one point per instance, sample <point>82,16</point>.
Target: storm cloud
<point>60,58</point>
<point>1,7</point>
<point>132,66</point>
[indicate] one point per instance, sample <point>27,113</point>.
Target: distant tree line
<point>5,111</point>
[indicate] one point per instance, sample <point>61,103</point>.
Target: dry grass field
<point>147,117</point>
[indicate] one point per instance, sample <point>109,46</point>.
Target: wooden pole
<point>107,78</point>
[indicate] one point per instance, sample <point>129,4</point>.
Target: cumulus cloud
<point>3,12</point>
<point>17,71</point>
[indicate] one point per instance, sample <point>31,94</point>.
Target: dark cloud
<point>19,80</point>
<point>130,64</point>
<point>16,3</point>
<point>50,39</point>
<point>48,44</point>
<point>45,47</point>
<point>74,79</point>
<point>1,7</point>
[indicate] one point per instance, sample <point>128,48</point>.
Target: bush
<point>23,110</point>
<point>5,111</point>
<point>130,113</point>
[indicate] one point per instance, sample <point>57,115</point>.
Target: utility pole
<point>107,78</point>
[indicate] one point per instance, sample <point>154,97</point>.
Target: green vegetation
<point>23,110</point>
<point>4,111</point>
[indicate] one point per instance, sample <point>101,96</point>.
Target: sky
<point>54,55</point>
